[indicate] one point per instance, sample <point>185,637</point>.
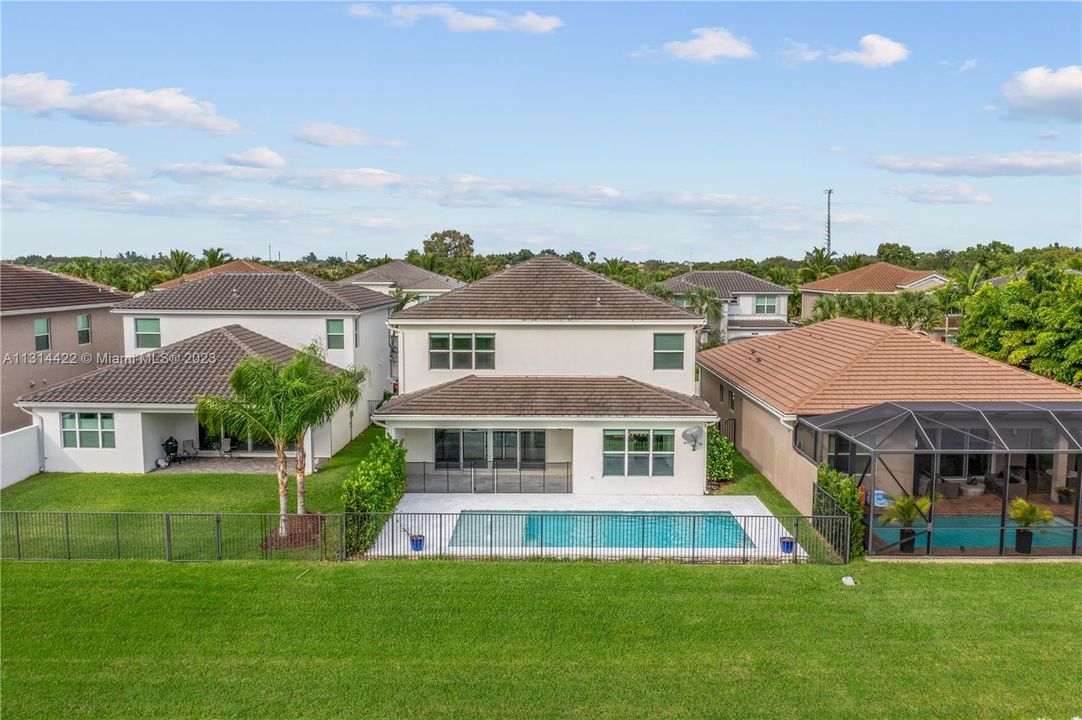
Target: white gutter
<point>40,426</point>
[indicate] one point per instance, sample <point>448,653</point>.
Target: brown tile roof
<point>752,323</point>
<point>877,277</point>
<point>406,276</point>
<point>172,375</point>
<point>843,364</point>
<point>231,266</point>
<point>725,283</point>
<point>545,396</point>
<point>261,292</point>
<point>27,288</point>
<point>546,288</point>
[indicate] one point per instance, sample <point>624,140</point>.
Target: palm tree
<point>80,267</point>
<point>316,393</point>
<point>471,270</point>
<point>215,256</point>
<point>781,275</point>
<point>179,262</point>
<point>818,264</point>
<point>402,298</point>
<point>851,261</point>
<point>916,310</point>
<point>705,302</point>
<point>615,268</point>
<point>431,262</point>
<point>825,308</point>
<point>878,308</point>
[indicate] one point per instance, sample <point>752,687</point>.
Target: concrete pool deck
<point>435,516</point>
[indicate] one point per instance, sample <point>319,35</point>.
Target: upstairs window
<point>148,332</point>
<point>87,430</point>
<point>336,334</point>
<point>462,351</point>
<point>82,329</point>
<point>439,351</point>
<point>43,339</point>
<point>766,304</point>
<point>668,351</point>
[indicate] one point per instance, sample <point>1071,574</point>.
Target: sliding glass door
<point>532,443</point>
<point>505,448</point>
<point>470,448</point>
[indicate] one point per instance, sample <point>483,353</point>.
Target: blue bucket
<point>787,544</point>
<point>417,543</point>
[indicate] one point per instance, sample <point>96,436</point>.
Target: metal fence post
<point>116,527</point>
<point>342,532</point>
<point>168,539</point>
<point>694,537</point>
<point>18,540</point>
<point>67,533</point>
<point>218,533</point>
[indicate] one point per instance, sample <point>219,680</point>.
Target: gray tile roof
<point>27,288</point>
<point>545,288</point>
<point>261,292</point>
<point>723,282</point>
<point>752,323</point>
<point>173,375</point>
<point>403,275</point>
<point>545,396</point>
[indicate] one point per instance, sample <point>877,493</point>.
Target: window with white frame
<point>462,351</point>
<point>356,332</point>
<point>82,329</point>
<point>43,339</point>
<point>87,430</point>
<point>336,334</point>
<point>668,351</point>
<point>638,453</point>
<point>766,304</point>
<point>148,332</point>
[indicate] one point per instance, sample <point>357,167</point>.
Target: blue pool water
<point>977,531</point>
<point>598,530</point>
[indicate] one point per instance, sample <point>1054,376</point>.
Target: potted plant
<point>1026,515</point>
<point>1065,494</point>
<point>905,511</point>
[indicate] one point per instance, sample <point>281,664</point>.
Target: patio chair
<point>188,450</point>
<point>226,450</point>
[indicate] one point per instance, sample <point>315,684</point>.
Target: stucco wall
<point>20,455</point>
<point>555,350</point>
<point>126,457</point>
<point>21,376</point>
<point>807,302</point>
<point>744,306</point>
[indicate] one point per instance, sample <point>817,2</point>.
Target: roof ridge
<point>664,392</point>
<point>889,333</point>
<point>65,276</point>
<point>614,282</point>
<point>329,288</point>
<point>227,330</point>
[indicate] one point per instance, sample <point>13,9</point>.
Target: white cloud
<point>710,44</point>
<point>958,193</point>
<point>1028,162</point>
<point>798,53</point>
<point>90,163</point>
<point>327,134</point>
<point>968,65</point>
<point>257,157</point>
<point>1041,93</point>
<point>456,20</point>
<point>38,93</point>
<point>330,179</point>
<point>875,51</point>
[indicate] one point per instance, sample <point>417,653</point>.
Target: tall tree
<point>215,256</point>
<point>449,245</point>
<point>916,310</point>
<point>471,269</point>
<point>402,298</point>
<point>818,264</point>
<point>179,262</point>
<point>896,254</point>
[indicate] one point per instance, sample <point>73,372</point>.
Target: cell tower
<point>828,193</point>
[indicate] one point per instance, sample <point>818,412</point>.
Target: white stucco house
<point>750,306</point>
<point>401,275</point>
<point>547,377</point>
<point>183,342</point>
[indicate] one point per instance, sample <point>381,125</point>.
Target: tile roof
<point>406,276</point>
<point>877,277</point>
<point>173,375</point>
<point>546,288</point>
<point>545,396</point>
<point>724,282</point>
<point>843,364</point>
<point>27,288</point>
<point>231,266</point>
<point>746,323</point>
<point>261,292</point>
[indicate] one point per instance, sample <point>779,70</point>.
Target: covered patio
<point>965,466</point>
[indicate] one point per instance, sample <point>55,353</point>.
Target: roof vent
<point>599,301</point>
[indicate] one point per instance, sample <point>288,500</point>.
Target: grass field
<point>402,639</point>
<point>749,481</point>
<point>116,492</point>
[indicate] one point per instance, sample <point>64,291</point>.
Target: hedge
<point>719,455</point>
<point>374,487</point>
<point>843,488</point>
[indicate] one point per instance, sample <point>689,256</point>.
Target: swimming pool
<point>598,530</point>
<point>977,531</point>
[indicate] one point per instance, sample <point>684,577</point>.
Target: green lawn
<point>402,639</point>
<point>749,481</point>
<point>178,493</point>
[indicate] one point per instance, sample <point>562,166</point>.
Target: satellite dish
<point>693,436</point>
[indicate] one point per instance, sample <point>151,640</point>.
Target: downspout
<point>41,435</point>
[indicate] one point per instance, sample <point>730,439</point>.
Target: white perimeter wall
<point>555,350</point>
<point>19,455</point>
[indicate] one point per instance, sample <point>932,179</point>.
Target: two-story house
<point>880,278</point>
<point>53,327</point>
<point>184,342</point>
<point>549,377</point>
<point>749,306</point>
<point>401,275</point>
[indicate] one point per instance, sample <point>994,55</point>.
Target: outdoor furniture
<point>968,490</point>
<point>188,450</point>
<point>949,489</point>
<point>226,450</point>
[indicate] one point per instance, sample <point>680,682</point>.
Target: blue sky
<point>675,131</point>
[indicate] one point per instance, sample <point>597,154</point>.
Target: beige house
<point>880,278</point>
<point>53,327</point>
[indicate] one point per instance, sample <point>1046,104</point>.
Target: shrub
<point>373,487</point>
<point>843,488</point>
<point>719,455</point>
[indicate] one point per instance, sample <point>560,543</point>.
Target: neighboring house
<point>549,373</point>
<point>750,306</point>
<point>233,266</point>
<point>185,341</point>
<point>881,278</point>
<point>400,275</point>
<point>53,327</point>
<point>768,385</point>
